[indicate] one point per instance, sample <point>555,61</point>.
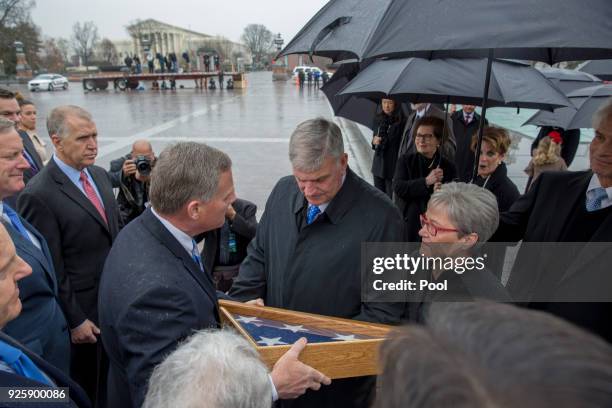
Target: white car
<point>48,82</point>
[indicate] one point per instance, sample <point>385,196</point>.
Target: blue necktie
<point>196,255</point>
<point>313,211</point>
<point>31,162</point>
<point>597,195</point>
<point>16,221</point>
<point>22,364</point>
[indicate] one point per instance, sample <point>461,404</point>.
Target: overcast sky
<point>220,17</point>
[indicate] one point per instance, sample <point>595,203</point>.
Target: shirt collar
<point>185,240</point>
<point>73,174</point>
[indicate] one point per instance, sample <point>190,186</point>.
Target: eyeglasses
<point>432,229</point>
<point>427,137</point>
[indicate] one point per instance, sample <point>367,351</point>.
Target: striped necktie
<point>195,255</point>
<point>92,196</point>
<point>312,213</point>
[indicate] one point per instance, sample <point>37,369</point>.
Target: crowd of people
<point>116,296</point>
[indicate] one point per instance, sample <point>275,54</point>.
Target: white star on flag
<point>347,337</point>
<point>294,329</point>
<point>244,319</point>
<point>271,342</point>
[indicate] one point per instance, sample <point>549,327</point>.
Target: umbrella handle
<point>325,31</point>
<point>485,101</point>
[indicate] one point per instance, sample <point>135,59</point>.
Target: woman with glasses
<point>458,219</point>
<point>388,128</point>
<point>492,171</point>
<point>419,173</point>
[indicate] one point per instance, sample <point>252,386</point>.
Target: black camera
<point>143,165</point>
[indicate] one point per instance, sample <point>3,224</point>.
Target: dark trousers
<point>384,185</point>
<point>89,367</point>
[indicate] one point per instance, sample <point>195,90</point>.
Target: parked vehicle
<point>49,82</point>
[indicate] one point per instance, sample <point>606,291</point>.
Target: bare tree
<point>13,12</point>
<point>84,40</point>
<point>108,51</point>
<point>16,25</point>
<point>52,60</point>
<point>258,40</point>
<point>63,45</point>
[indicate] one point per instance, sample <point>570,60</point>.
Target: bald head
<point>142,148</point>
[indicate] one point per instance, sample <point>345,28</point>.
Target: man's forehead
<point>9,104</point>
<point>77,123</point>
<point>11,140</point>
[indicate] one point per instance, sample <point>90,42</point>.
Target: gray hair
<point>527,354</point>
<point>6,125</point>
<point>603,112</point>
<point>186,171</point>
<point>312,142</point>
<point>471,209</point>
<point>212,369</point>
<point>56,121</point>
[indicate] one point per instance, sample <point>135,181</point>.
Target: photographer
<point>131,175</point>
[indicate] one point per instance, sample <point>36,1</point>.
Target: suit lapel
<point>76,195</point>
<point>23,244</point>
<point>162,234</point>
<point>29,147</point>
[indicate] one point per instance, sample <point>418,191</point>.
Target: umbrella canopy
<point>360,110</point>
<point>545,30</point>
<point>568,80</point>
<point>513,84</point>
<point>586,101</point>
<point>340,30</point>
<point>600,68</point>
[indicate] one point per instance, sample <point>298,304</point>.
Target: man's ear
<point>57,142</point>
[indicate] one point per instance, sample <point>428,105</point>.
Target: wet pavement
<point>252,125</point>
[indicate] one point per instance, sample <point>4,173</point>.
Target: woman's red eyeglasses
<point>432,229</point>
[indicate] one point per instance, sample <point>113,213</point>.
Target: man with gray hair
<point>155,290</point>
<point>306,253</point>
<point>71,203</point>
<point>189,376</point>
<point>569,207</point>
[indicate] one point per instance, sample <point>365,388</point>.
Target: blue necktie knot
<point>312,213</point>
<point>595,199</point>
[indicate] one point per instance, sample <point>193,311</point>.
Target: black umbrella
<point>586,101</point>
<point>544,30</point>
<point>339,30</point>
<point>600,68</point>
<point>514,84</point>
<point>568,80</point>
<point>360,110</point>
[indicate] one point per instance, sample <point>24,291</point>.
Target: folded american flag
<point>268,332</point>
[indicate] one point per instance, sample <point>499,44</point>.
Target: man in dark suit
<point>20,367</point>
<point>226,247</point>
<point>9,109</point>
<point>155,290</point>
<point>449,146</point>
<point>305,255</point>
<point>568,207</point>
<point>465,125</point>
<point>71,203</point>
<point>41,326</point>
